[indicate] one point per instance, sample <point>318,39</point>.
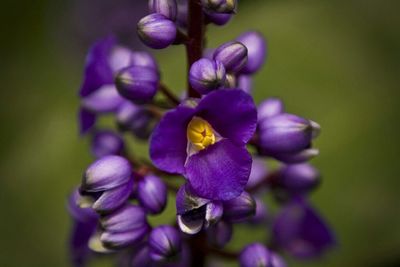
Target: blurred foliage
<point>336,62</point>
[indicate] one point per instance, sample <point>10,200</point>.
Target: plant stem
<point>194,46</point>
<point>168,94</point>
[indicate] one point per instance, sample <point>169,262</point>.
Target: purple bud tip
<point>269,108</point>
<point>156,31</point>
<point>165,243</point>
<point>233,56</point>
<point>106,143</point>
<point>255,254</point>
<point>240,209</point>
<point>106,173</point>
<point>138,84</point>
<point>285,133</point>
<point>256,51</point>
<point>126,218</point>
<point>220,6</point>
<point>206,75</point>
<point>152,194</point>
<point>168,8</point>
<point>299,178</point>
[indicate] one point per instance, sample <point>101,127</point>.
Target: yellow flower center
<point>200,133</point>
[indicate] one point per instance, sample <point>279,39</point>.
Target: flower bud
<point>111,199</point>
<point>103,100</point>
<point>124,226</point>
<point>233,55</point>
<point>165,243</point>
<point>218,18</point>
<point>269,108</point>
<point>206,75</point>
<point>214,212</point>
<point>168,8</point>
<point>219,6</point>
<point>245,82</point>
<point>77,212</point>
<point>255,254</point>
<point>135,118</point>
<point>301,231</point>
<point>106,173</point>
<point>299,178</point>
<point>106,143</point>
<point>156,31</point>
<point>220,234</point>
<point>138,84</point>
<point>239,209</point>
<point>152,194</point>
<point>256,51</point>
<point>285,133</point>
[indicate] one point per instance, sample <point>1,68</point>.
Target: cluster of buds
<point>215,138</point>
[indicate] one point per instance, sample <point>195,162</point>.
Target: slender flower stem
<point>168,94</point>
<point>194,46</point>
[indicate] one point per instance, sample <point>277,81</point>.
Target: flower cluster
<point>215,138</point>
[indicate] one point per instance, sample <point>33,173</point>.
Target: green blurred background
<point>336,62</point>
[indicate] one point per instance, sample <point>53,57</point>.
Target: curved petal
<point>231,112</point>
<point>219,172</point>
<point>105,99</point>
<point>114,198</point>
<point>97,68</point>
<point>168,141</point>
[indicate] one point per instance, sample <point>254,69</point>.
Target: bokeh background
<point>336,62</point>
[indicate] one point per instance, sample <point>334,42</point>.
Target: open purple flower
<point>206,142</point>
<point>301,231</point>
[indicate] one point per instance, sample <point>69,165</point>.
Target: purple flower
<point>106,142</point>
<point>286,137</point>
<point>233,55</point>
<point>165,243</point>
<point>123,227</point>
<point>240,209</point>
<point>107,183</point>
<point>206,143</point>
<point>301,231</point>
<point>206,75</point>
<point>256,51</point>
<point>152,194</point>
<point>261,214</point>
<point>168,8</point>
<point>156,31</point>
<point>138,84</point>
<point>195,213</point>
<point>254,255</point>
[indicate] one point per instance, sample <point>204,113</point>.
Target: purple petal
<point>125,219</point>
<point>106,173</point>
<point>214,212</point>
<point>105,143</point>
<point>269,108</point>
<point>164,242</point>
<point>255,254</point>
<point>220,234</point>
<point>168,141</point>
<point>152,194</point>
<point>240,209</point>
<point>114,198</point>
<point>119,240</point>
<point>297,157</point>
<point>187,200</point>
<point>79,251</point>
<point>105,99</point>
<point>301,231</point>
<point>231,113</point>
<point>78,213</point>
<point>97,69</point>
<point>87,120</point>
<point>219,172</point>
